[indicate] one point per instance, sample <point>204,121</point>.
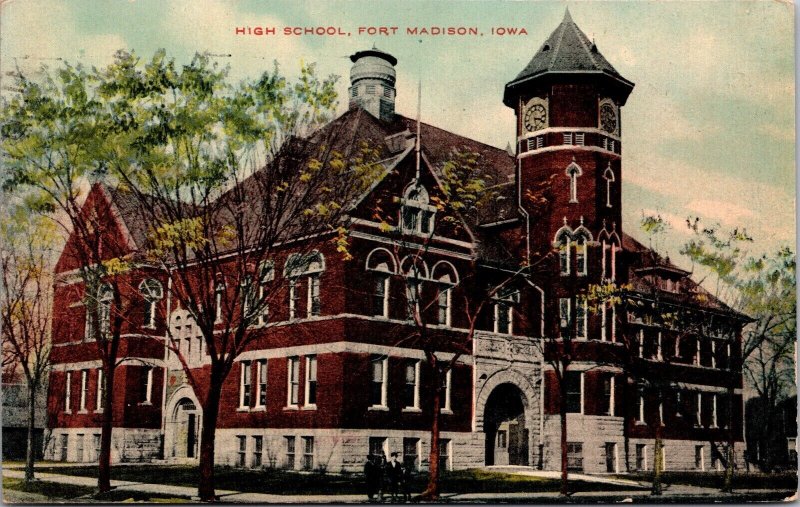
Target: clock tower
<point>568,103</point>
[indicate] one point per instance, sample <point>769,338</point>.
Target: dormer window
<point>573,171</point>
<point>104,298</point>
<point>417,214</point>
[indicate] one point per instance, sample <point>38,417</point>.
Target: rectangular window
<point>579,139</point>
<point>567,137</point>
<point>446,389</point>
<point>411,454</point>
<point>563,257</point>
<point>380,298</point>
<point>611,457</point>
<point>377,394</point>
<point>96,446</point>
<point>699,458</point>
<point>608,396</point>
<point>64,446</point>
<point>311,381</point>
<point>241,453</point>
<point>580,256</point>
<point>290,453</point>
<point>575,456</point>
<point>79,447</point>
<point>640,409</point>
<point>308,453</point>
<point>244,384</point>
<point>377,448</point>
<point>219,290</point>
<point>294,298</point>
<point>100,390</point>
<point>371,89</point>
<point>261,393</point>
<point>413,294</point>
<point>714,411</point>
<point>659,347</point>
<point>564,316</point>
<point>68,392</point>
<point>443,304</point>
<point>603,322</point>
<point>501,442</point>
<point>641,457</point>
<point>580,320</point>
<point>293,388</point>
<point>613,323</point>
<point>147,385</point>
<point>84,389</point>
<point>539,142</point>
<point>503,316</point>
<point>411,386</point>
<point>574,385</point>
<point>313,296</point>
<point>258,451</point>
<point>444,454</point>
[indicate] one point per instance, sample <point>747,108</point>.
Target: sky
<point>708,131</point>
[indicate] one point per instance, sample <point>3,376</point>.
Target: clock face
<point>535,117</point>
<point>608,118</point>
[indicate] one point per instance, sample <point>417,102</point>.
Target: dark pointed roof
<point>567,51</point>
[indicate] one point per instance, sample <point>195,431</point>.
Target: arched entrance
<point>504,426</point>
<point>184,429</point>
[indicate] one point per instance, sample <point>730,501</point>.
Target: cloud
<point>31,38</point>
<point>726,212</point>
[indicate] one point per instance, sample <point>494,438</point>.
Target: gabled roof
<point>567,51</point>
<point>643,261</point>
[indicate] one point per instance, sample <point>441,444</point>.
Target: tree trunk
<point>727,486</point>
<point>658,461</point>
<point>205,488</point>
<point>106,427</point>
<point>30,450</point>
<point>562,410</point>
<point>431,493</point>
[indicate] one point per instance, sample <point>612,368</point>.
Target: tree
<point>764,288</point>
<point>228,176</point>
<point>26,248</point>
<point>54,147</point>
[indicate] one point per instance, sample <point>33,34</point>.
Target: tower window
<point>580,255</point>
<point>573,171</point>
<point>568,138</point>
<point>387,92</point>
<point>371,89</point>
<point>354,91</point>
<point>608,175</point>
<point>152,292</point>
<point>579,139</point>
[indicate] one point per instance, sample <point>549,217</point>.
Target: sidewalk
<point>706,495</point>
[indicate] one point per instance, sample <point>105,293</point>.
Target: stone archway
<point>182,432</point>
<point>507,436</point>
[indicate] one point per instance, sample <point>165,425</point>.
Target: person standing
<point>371,478</point>
<point>395,473</point>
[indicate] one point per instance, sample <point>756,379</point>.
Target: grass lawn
<point>50,490</point>
<point>295,483</point>
<point>744,480</point>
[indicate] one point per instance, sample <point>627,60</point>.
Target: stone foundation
<point>83,445</point>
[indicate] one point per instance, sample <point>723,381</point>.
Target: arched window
<point>446,277</point>
<point>608,175</point>
<point>103,299</point>
<point>582,238</point>
<point>573,171</point>
<point>266,274</point>
<point>504,311</point>
<point>219,293</point>
<point>417,214</point>
<point>381,264</point>
<point>152,292</point>
<point>563,242</point>
<point>310,266</point>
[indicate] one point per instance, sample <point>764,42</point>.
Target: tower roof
<point>566,51</point>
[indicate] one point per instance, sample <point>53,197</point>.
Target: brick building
<point>329,377</point>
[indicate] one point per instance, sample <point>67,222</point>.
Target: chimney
<point>372,80</point>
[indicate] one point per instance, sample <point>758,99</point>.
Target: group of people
<point>387,477</point>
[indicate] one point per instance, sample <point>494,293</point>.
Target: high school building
<point>330,380</point>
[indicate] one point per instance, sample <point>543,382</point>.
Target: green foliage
<point>465,184</point>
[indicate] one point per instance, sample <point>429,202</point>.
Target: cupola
<point>372,79</point>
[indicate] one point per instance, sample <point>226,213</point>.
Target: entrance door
<point>504,426</point>
<point>184,427</point>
